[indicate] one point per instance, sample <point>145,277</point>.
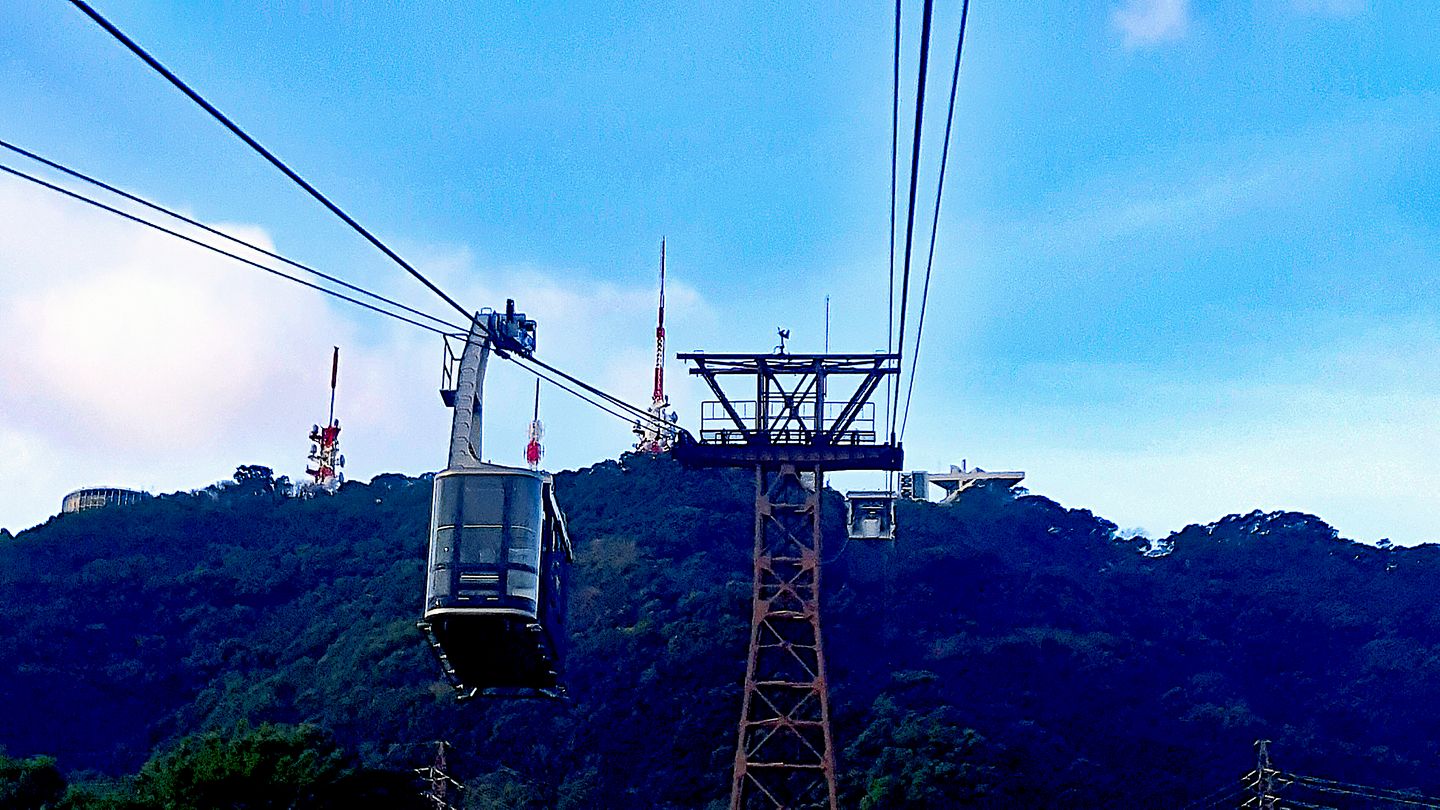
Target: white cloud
<point>131,359</point>
<point>1145,23</point>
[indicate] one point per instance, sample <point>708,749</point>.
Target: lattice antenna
<point>325,442</point>
<point>534,450</point>
<point>658,435</point>
<point>658,396</point>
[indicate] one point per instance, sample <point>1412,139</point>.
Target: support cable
<point>265,153</point>
<point>914,181</point>
<point>578,395</point>
<point>894,172</point>
<point>935,222</point>
<point>192,240</point>
<point>217,232</point>
<point>640,413</point>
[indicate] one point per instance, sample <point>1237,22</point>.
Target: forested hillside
<point>1006,652</point>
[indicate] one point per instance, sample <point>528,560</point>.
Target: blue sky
<point>1182,270</point>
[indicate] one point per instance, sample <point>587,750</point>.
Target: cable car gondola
<point>495,582</point>
<point>870,514</point>
<point>499,551</point>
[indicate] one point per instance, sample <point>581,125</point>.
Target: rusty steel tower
<point>807,414</point>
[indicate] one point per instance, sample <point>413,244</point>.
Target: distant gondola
<point>870,514</point>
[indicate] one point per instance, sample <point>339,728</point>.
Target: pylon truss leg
<point>784,758</point>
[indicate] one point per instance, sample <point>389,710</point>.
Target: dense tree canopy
<point>30,784</point>
<point>1004,652</point>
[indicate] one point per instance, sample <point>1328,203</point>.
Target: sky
<point>1184,267</point>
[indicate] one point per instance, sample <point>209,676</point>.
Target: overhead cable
<point>935,221</point>
<point>75,195</point>
<point>1287,803</point>
<point>1375,793</point>
<point>217,232</point>
<point>1222,795</point>
<point>265,153</point>
<point>561,384</point>
<point>894,171</point>
<point>914,181</point>
<point>640,413</point>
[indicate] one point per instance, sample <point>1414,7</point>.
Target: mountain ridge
<point>1006,650</point>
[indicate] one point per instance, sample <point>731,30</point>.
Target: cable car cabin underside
<point>495,582</point>
<point>494,656</point>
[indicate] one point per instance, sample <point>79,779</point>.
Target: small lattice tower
<point>325,458</point>
<point>657,434</point>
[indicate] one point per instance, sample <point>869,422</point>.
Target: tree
<point>269,766</point>
<point>255,477</point>
<point>917,760</point>
<point>104,796</point>
<point>30,784</point>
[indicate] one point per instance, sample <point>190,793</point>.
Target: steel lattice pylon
<point>784,757</point>
<point>811,414</point>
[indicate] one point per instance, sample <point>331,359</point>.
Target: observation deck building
<point>96,497</point>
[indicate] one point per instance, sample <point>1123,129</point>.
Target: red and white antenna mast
<point>658,434</point>
<point>534,450</point>
<point>325,447</point>
<point>658,399</point>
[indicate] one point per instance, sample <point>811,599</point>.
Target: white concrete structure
<point>960,479</point>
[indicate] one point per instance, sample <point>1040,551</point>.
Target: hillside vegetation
<point>1006,652</point>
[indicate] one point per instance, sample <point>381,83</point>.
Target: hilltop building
<point>96,497</point>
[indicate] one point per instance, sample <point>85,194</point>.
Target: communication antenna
<point>325,475</point>
<point>534,450</point>
<point>658,435</point>
<point>657,398</point>
<point>827,324</point>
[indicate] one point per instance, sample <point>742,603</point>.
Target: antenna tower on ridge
<point>534,450</point>
<point>325,455</point>
<point>658,435</point>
